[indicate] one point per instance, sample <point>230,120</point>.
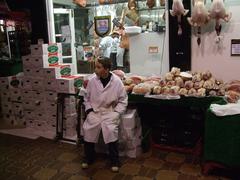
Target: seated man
<point>105,100</point>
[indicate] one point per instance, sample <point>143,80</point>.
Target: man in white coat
<point>110,47</point>
<point>105,101</point>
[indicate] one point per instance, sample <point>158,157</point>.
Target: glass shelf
<point>152,9</point>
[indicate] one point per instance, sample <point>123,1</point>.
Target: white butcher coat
<point>108,104</point>
<point>109,45</point>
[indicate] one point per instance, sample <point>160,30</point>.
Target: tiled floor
<point>41,159</point>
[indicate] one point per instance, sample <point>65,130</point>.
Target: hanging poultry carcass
<point>200,17</point>
<point>179,11</point>
<point>81,3</point>
<point>218,12</point>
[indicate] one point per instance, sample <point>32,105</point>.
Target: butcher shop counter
<point>176,124</point>
<point>221,141</point>
<point>183,101</point>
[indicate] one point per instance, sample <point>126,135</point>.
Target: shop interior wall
<point>208,56</point>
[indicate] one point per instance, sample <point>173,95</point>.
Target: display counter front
<point>176,125</point>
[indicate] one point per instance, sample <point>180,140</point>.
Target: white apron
<point>108,103</point>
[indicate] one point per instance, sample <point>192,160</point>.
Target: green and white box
<point>70,84</point>
<point>46,49</point>
<point>52,60</point>
<point>59,71</point>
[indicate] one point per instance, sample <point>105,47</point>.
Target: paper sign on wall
<point>235,47</point>
<point>153,50</point>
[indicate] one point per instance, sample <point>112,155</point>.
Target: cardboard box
<point>9,118</point>
<point>17,109</point>
<point>70,132</point>
<point>51,117</point>
<point>70,100</point>
<point>15,82</point>
<point>52,60</point>
<point>29,123</point>
<point>59,71</point>
<point>70,84</point>
<point>11,82</point>
<point>70,121</point>
<point>27,72</point>
<point>38,125</point>
<point>37,61</point>
<point>50,85</point>
<point>4,84</point>
<point>133,143</point>
<point>129,134</point>
<point>27,62</point>
<point>46,49</point>
<point>27,83</point>
<point>28,95</point>
<point>39,96</point>
<point>70,109</point>
<point>16,95</point>
<point>38,84</point>
<point>133,153</point>
<point>40,117</point>
<point>29,115</point>
<point>88,52</point>
<point>40,105</point>
<point>20,120</point>
<point>28,105</point>
<point>38,73</point>
<point>6,108</point>
<point>130,119</point>
<point>51,107</point>
<point>5,96</point>
<point>51,96</point>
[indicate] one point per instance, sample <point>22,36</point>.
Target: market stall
<point>170,92</point>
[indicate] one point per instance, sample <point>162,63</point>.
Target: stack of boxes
<point>130,134</point>
<point>44,77</point>
<point>11,99</point>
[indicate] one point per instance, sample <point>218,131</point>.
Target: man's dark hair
<point>105,61</point>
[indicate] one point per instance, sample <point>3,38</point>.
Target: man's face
<point>100,71</point>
